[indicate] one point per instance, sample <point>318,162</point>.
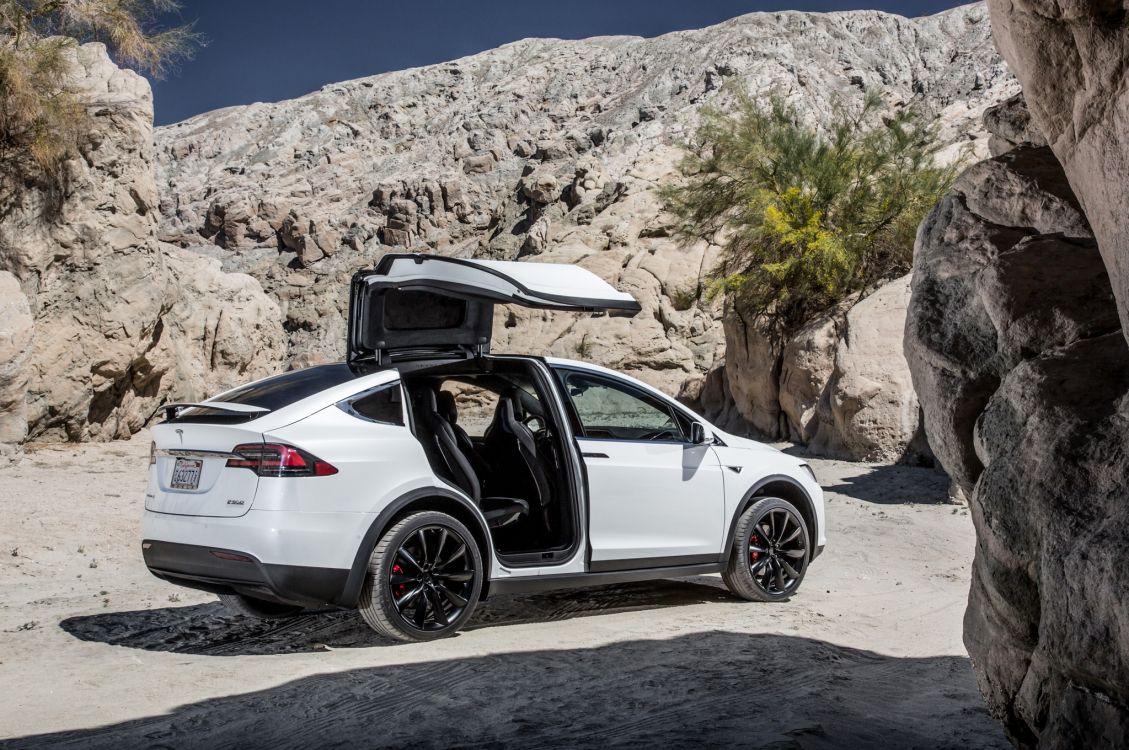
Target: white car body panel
<point>653,499</point>
<point>317,540</point>
<point>756,460</point>
<point>532,284</point>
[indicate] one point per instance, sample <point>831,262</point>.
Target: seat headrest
<point>446,406</point>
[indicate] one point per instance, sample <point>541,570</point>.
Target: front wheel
<point>770,552</point>
<point>424,578</point>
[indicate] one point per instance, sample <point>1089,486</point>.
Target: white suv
<point>424,473</point>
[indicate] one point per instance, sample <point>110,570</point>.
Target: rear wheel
<point>424,578</point>
<point>770,552</point>
<point>260,609</point>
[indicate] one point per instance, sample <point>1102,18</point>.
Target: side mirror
<point>699,434</point>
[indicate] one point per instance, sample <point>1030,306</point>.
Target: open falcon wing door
<point>428,305</point>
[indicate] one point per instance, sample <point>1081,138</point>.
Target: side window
<point>384,404</point>
<point>616,411</point>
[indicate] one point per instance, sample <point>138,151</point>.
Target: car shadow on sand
<point>209,629</point>
<point>707,689</point>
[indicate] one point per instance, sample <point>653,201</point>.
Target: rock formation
<point>1017,356</point>
<point>550,150</point>
<point>15,344</point>
<point>1071,57</point>
<point>119,326</point>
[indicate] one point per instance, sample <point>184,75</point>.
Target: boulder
<point>541,186</point>
<point>807,364</point>
<point>752,370</point>
<point>1009,125</point>
<point>222,330</point>
<point>16,327</point>
<point>873,404</point>
<point>1017,356</point>
<point>845,387</point>
<point>980,303</point>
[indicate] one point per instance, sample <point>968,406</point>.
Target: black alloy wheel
<point>431,578</point>
<point>424,578</point>
<point>778,551</point>
<point>770,552</point>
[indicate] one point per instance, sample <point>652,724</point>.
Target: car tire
<point>420,586</point>
<point>259,609</point>
<point>770,553</point>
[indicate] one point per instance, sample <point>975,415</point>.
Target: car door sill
<point>533,584</point>
<point>640,563</point>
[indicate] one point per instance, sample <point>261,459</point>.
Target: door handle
<point>594,455</point>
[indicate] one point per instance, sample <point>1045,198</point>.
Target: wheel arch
<point>786,488</point>
<point>424,498</point>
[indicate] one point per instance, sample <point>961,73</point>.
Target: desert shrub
<point>683,298</point>
<point>41,122</point>
<point>807,217</point>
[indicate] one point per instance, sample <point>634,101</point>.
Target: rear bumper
<point>238,572</point>
<point>318,540</point>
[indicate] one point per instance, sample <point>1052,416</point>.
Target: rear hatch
<point>189,473</point>
<point>428,305</point>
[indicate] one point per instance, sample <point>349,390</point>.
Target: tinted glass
<point>283,390</point>
<point>611,410</point>
<point>382,405</point>
<point>407,310</point>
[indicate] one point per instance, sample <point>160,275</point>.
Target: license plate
<point>186,474</point>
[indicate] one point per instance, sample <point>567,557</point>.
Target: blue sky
<point>266,51</point>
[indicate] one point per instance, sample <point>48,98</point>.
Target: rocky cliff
<point>1016,339</point>
<point>1017,354</point>
<point>99,323</point>
<point>550,150</point>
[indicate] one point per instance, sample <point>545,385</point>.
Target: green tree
<point>807,217</point>
<point>41,122</point>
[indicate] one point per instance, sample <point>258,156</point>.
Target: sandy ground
<point>94,652</point>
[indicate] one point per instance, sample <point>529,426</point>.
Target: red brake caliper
<point>401,588</point>
<point>753,554</point>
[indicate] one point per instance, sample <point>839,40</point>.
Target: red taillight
<point>279,460</point>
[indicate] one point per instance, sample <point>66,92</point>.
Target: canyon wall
<point>100,323</point>
<point>551,150</point>
<point>222,252</point>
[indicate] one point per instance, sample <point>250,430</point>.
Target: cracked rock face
<point>546,150</point>
<point>1017,356</point>
<point>1071,57</point>
<point>110,309</point>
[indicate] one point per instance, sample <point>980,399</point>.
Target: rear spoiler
<point>172,410</point>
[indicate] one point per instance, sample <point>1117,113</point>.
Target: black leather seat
<point>498,511</point>
<point>508,434</point>
<point>449,410</point>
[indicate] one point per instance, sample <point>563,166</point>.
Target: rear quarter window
<point>383,404</point>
